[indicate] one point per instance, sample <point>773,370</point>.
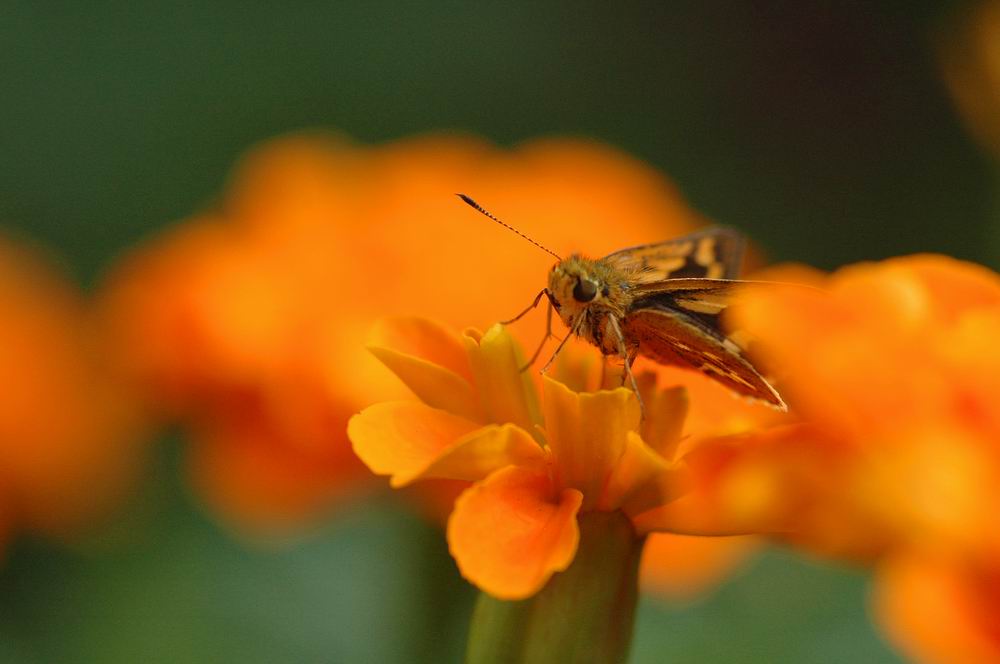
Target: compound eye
<point>585,290</point>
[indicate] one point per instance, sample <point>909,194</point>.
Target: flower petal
<point>507,394</point>
<point>639,467</point>
<point>712,410</point>
<point>683,567</point>
<point>935,611</point>
<point>887,318</point>
<point>477,454</point>
<point>433,384</point>
<point>424,339</point>
<point>402,438</point>
<point>950,287</point>
<point>731,486</point>
<point>510,532</point>
<point>587,433</point>
<point>791,482</point>
<point>667,409</point>
<point>263,484</point>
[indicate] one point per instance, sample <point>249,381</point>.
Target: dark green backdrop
<point>822,128</point>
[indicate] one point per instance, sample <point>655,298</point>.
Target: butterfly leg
<point>612,376</point>
<point>628,358</point>
<point>548,335</point>
<point>560,346</point>
<point>538,298</point>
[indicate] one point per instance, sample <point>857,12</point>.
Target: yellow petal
<point>507,393</point>
<point>425,339</point>
<point>402,439</point>
<point>477,454</point>
<point>433,384</point>
<point>586,433</point>
<point>510,532</point>
<point>638,465</point>
<point>689,516</point>
<point>666,412</point>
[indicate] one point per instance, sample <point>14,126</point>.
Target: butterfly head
<point>578,283</point>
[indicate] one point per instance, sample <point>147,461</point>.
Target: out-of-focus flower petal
<point>512,531</point>
<point>714,411</point>
<point>244,470</point>
<point>971,345</point>
<point>954,286</point>
<point>970,59</point>
<point>873,318</point>
<point>932,487</point>
<point>895,367</point>
<point>71,437</point>
<point>683,567</point>
<point>938,611</point>
<point>668,409</point>
<point>762,483</point>
<point>424,339</point>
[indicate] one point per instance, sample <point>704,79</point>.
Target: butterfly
<point>663,301</point>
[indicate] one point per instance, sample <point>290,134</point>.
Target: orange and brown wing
<point>683,328</point>
<point>714,253</point>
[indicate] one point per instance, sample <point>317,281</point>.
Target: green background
<point>821,128</point>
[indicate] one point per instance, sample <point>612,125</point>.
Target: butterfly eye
<point>585,290</point>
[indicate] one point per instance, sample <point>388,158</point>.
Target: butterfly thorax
<point>586,293</point>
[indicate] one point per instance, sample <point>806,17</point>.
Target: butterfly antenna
<point>479,208</point>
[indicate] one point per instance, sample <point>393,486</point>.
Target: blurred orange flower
<point>894,368</point>
<point>970,62</point>
<point>247,322</point>
<point>533,468</point>
<point>70,448</point>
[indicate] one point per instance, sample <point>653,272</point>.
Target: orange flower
<point>246,322</point>
<point>938,611</point>
<point>534,469</point>
<point>894,367</point>
<point>970,62</point>
<point>69,444</point>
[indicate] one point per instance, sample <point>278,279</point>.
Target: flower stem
<point>582,616</point>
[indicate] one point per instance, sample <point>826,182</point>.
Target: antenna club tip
<point>479,209</point>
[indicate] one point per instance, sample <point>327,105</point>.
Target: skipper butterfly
<point>663,301</point>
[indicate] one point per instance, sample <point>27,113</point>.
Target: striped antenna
<point>479,208</point>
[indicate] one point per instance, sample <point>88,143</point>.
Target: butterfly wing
<point>683,327</point>
<point>714,253</point>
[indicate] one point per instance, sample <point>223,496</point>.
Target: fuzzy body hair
<point>592,320</point>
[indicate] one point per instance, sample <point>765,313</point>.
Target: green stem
<point>582,616</point>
